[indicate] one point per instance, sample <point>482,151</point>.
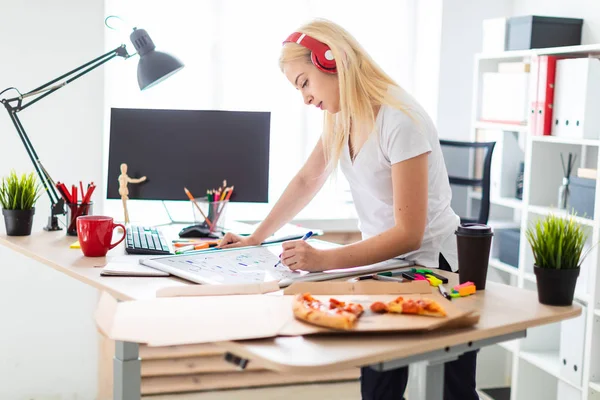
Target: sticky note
<point>469,283</point>
<point>467,290</point>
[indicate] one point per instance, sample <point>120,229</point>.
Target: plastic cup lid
<point>474,230</point>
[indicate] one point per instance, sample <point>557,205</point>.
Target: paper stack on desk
<point>130,269</point>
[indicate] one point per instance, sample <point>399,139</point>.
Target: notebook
<point>130,269</point>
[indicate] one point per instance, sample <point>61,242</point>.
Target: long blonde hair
<point>363,84</point>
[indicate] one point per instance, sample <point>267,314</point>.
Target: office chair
<point>483,183</point>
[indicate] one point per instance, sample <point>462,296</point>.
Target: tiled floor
<point>324,391</point>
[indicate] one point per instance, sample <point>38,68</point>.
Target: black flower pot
<point>18,222</point>
<point>556,287</point>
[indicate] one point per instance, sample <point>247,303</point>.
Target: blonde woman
<point>388,149</point>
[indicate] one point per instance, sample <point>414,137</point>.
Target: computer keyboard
<point>146,240</point>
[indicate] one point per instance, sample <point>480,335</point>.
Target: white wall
<point>427,54</point>
<point>48,340</point>
<point>461,39</point>
<point>588,10</point>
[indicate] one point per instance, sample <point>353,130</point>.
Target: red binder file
<point>545,95</point>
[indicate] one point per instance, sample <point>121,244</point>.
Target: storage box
<point>514,67</point>
<point>504,98</point>
<point>508,242</point>
<point>536,32</point>
<point>582,195</point>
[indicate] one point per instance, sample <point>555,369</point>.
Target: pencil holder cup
<point>74,211</point>
<point>215,212</point>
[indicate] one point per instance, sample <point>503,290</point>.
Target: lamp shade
<point>154,66</point>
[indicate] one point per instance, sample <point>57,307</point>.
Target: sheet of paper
<point>130,269</point>
<point>253,265</point>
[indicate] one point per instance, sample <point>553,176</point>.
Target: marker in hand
<point>305,237</point>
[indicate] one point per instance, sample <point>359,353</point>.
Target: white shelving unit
<point>548,361</point>
<point>504,127</point>
<point>496,263</point>
<point>561,360</point>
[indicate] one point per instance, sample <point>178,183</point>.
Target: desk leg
<point>434,381</point>
<point>434,389</point>
<point>127,376</point>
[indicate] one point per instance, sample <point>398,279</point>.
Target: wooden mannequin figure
<point>124,179</point>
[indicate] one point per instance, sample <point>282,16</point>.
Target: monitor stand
<point>172,221</point>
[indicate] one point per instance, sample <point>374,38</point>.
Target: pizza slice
<point>410,306</point>
<point>337,314</point>
<point>353,308</point>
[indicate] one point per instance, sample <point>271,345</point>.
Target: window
<point>231,50</point>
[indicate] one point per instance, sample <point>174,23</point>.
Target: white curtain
<point>230,49</point>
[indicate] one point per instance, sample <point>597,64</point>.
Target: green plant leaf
<point>19,193</point>
<point>557,242</point>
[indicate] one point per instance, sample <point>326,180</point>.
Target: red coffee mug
<point>95,233</point>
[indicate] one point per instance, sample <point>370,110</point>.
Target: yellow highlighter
<point>433,281</point>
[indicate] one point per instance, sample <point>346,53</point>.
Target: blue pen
<point>305,237</point>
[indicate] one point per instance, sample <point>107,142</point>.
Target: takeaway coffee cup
<point>473,242</point>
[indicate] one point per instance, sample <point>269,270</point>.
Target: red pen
<point>62,192</point>
<point>88,195</point>
<point>65,192</point>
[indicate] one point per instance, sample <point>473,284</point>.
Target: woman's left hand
<point>298,254</point>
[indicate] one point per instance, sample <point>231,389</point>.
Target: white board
<point>253,265</point>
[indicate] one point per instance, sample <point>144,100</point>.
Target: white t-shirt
<point>397,138</point>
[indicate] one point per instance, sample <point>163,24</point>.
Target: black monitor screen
<point>189,148</point>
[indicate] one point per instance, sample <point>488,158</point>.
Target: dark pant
<point>459,376</point>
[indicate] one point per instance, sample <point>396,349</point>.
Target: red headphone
<point>321,54</point>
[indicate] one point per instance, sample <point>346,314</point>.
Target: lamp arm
<point>51,87</point>
<point>45,178</point>
<point>43,91</point>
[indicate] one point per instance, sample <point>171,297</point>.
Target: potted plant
<point>18,197</point>
<point>557,244</point>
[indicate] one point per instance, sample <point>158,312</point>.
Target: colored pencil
<point>189,195</point>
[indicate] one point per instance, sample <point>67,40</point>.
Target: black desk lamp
<point>153,67</point>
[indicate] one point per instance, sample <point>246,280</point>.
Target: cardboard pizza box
<point>195,319</point>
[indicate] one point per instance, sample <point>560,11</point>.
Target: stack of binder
<point>543,76</point>
<point>577,98</point>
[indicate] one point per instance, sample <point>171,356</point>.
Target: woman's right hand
<point>231,240</point>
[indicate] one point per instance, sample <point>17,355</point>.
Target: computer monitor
<point>189,148</point>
